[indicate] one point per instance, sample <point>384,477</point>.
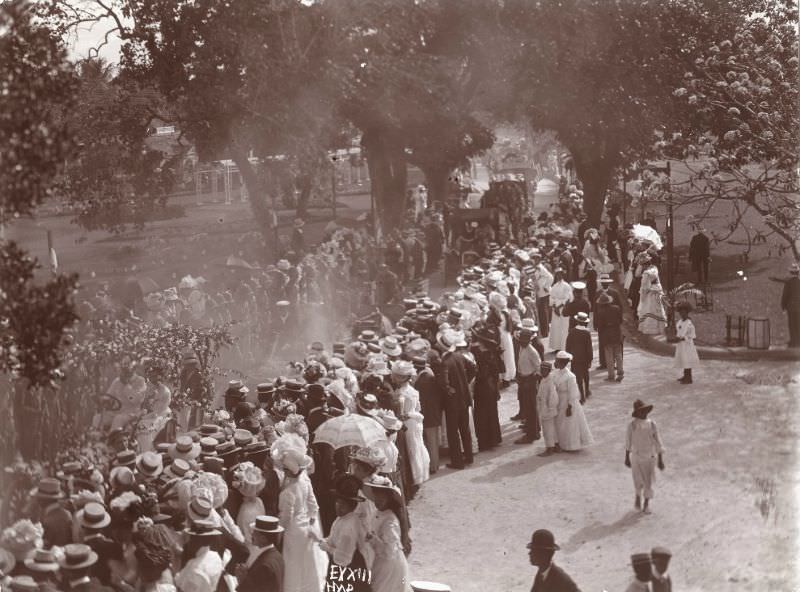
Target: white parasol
<point>350,430</point>
<point>647,233</point>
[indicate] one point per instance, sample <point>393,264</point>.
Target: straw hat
<point>93,516</point>
<point>267,525</point>
<point>77,557</point>
<point>149,464</point>
<point>184,448</point>
<point>42,561</point>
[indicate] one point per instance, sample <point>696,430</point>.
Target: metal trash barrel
<point>429,587</point>
<point>758,333</point>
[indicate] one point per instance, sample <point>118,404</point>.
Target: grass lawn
<point>755,296</point>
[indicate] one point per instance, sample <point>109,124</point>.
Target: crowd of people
<point>308,476</point>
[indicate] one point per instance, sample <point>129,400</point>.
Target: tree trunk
<point>262,212</point>
<point>596,174</point>
<point>437,180</point>
<point>388,176</point>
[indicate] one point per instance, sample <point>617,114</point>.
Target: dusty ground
<point>726,505</point>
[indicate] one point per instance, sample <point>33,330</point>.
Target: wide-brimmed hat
<point>121,477</point>
<point>178,469</point>
<point>403,369</point>
<point>77,556</point>
<point>581,318</point>
<point>93,516</point>
<point>49,488</point>
<point>242,437</point>
<point>295,461</point>
<point>68,469</point>
<point>379,482</point>
<point>267,525</point>
<point>372,457</point>
<point>543,539</point>
<point>125,458</point>
<point>149,464</point>
<point>446,339</point>
<point>184,448</point>
<point>347,487</point>
<point>391,347</point>
<point>203,528</point>
<point>640,408</point>
<point>368,336</point>
<point>41,560</point>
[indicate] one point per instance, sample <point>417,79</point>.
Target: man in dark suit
<point>263,571</point>
<point>54,517</point>
<point>661,581</point>
<point>579,344</point>
<point>550,577</point>
<point>608,322</point>
<point>606,287</point>
<point>455,386</point>
<point>790,302</point>
<point>94,520</point>
<point>75,566</point>
<point>578,303</point>
<point>699,254</point>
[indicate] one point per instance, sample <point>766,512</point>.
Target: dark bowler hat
<point>316,394</point>
<point>660,552</point>
<point>543,539</point>
<point>265,392</point>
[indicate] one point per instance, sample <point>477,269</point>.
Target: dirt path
<point>725,505</point>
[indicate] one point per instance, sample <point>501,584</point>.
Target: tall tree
<point>600,73</point>
<point>38,83</point>
<point>739,126</point>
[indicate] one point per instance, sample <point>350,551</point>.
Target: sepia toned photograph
<point>399,296</point>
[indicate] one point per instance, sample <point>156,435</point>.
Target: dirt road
<point>726,505</point>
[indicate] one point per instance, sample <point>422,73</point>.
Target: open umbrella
<point>350,430</point>
<point>647,233</point>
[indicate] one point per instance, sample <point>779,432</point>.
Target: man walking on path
<point>579,344</point>
<point>642,448</point>
<point>550,577</point>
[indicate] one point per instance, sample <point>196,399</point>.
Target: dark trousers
<point>526,387</point>
<point>582,375</point>
<point>459,437</point>
<point>543,315</point>
<point>601,344</point>
<point>793,316</point>
<point>702,271</point>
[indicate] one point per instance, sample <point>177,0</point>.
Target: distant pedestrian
<point>560,295</point>
<point>790,302</point>
<point>550,577</point>
<point>685,352</point>
<point>573,430</point>
<point>528,372</point>
<point>579,344</point>
<point>643,573</point>
<point>699,255</point>
<point>298,240</point>
<point>661,581</point>
<point>643,448</point>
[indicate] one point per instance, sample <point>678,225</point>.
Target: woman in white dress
<point>411,416</point>
<point>571,425</point>
<point>249,480</point>
<point>500,316</point>
<point>686,356</point>
<point>560,295</point>
<point>305,563</point>
<point>157,400</point>
<point>652,319</point>
<point>389,569</point>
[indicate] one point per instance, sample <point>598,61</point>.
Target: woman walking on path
<point>571,426</point>
<point>390,569</point>
<point>685,352</point>
<point>642,448</point>
<point>652,319</point>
